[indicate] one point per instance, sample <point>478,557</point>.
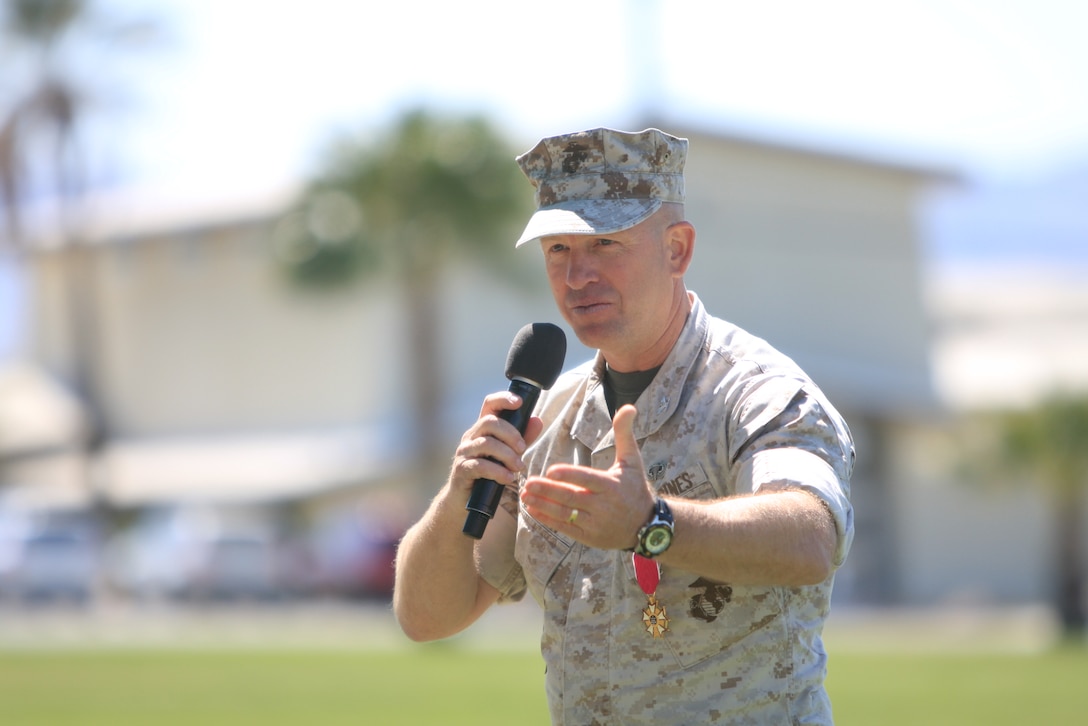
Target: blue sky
<point>251,89</point>
<point>241,95</point>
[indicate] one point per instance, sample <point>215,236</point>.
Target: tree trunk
<point>1070,580</point>
<point>84,336</point>
<point>426,382</point>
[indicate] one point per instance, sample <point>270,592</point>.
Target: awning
<point>211,469</point>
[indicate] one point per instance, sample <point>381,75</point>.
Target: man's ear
<point>681,246</point>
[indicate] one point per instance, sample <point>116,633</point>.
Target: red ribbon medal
<point>648,574</point>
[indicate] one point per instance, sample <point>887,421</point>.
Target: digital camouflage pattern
<point>726,414</point>
<point>601,181</point>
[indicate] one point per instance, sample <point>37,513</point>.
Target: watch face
<point>658,539</point>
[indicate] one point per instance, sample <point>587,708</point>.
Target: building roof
<point>1008,335</point>
<point>849,150</point>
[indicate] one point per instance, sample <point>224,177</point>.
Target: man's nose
<point>581,270</point>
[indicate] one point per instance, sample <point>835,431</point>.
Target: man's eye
<point>605,242</point>
<point>556,248</point>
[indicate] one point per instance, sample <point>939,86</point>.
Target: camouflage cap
<point>601,181</point>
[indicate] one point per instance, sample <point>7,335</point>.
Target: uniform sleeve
<point>786,437</point>
<point>495,551</point>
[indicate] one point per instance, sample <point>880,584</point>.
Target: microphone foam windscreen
<point>537,354</point>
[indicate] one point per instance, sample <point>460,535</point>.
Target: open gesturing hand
<point>611,505</point>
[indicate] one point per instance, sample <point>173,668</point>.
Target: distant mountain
<point>1043,223</point>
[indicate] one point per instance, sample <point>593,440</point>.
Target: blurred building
<point>215,379</point>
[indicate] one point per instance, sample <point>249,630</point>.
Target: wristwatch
<point>656,535</point>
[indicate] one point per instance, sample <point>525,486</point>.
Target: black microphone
<point>533,364</point>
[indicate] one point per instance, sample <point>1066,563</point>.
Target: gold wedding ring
<point>573,516</point>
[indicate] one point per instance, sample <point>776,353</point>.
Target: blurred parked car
<point>199,553</point>
<point>349,554</point>
<point>47,555</point>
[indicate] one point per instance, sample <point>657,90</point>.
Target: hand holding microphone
<point>533,364</point>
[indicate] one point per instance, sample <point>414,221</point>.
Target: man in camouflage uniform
<point>728,445</point>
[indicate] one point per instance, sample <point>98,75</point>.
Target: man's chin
<point>595,336</point>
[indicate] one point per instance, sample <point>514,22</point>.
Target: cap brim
<point>588,216</point>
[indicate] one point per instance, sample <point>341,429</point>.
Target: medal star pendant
<point>655,618</point>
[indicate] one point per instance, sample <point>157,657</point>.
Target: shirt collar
<point>593,426</point>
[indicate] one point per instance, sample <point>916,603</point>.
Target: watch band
<point>658,529</point>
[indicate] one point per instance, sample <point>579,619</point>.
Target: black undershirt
<point>624,388</point>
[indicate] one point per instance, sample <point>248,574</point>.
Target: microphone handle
<point>484,500</point>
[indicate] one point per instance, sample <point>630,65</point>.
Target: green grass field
<point>425,685</point>
<point>962,689</point>
<point>440,684</point>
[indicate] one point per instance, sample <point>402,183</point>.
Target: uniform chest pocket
<point>543,553</point>
<point>709,618</point>
<point>706,618</point>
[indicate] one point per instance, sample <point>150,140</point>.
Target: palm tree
<point>45,110</point>
<point>409,202</point>
<point>1051,441</point>
<point>38,158</point>
<point>45,94</point>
